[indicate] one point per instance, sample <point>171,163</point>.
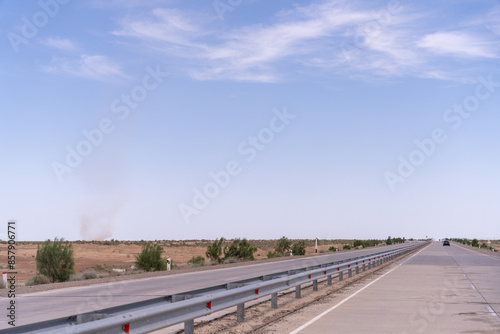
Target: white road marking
<point>491,311</point>
<point>354,294</point>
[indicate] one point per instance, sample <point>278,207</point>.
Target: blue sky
<point>199,119</point>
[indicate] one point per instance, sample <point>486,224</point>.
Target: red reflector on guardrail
<point>338,269</point>
<point>126,328</point>
<point>256,291</point>
<point>324,272</point>
<point>348,266</point>
<point>209,305</point>
<point>309,276</point>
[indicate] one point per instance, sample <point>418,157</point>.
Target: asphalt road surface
<point>41,306</point>
<point>440,289</point>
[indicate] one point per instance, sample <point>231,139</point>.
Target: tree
<point>283,246</point>
<point>388,241</point>
<point>240,249</point>
<point>214,251</point>
<point>358,243</point>
<point>299,248</point>
<point>281,249</point>
<point>150,258</point>
<point>475,243</point>
<point>55,260</point>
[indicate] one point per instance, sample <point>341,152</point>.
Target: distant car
<point>446,243</point>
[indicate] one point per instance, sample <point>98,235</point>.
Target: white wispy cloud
<point>126,4</point>
<point>95,67</point>
<point>459,44</point>
<point>169,26</point>
<point>246,53</point>
<point>335,36</point>
<point>60,43</point>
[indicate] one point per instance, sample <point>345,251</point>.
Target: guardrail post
<point>274,300</point>
<point>350,272</point>
<point>341,276</point>
<point>240,312</point>
<point>364,267</point>
<point>297,291</point>
<point>357,270</point>
<point>189,326</point>
<point>315,285</point>
<point>329,279</point>
<point>369,265</point>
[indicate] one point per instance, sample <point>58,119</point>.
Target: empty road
<point>440,289</point>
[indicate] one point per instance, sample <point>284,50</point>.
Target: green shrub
<point>214,251</point>
<point>37,280</point>
<point>299,248</point>
<point>197,261</point>
<point>346,247</point>
<point>475,243</point>
<point>55,260</point>
<point>358,243</point>
<point>240,249</point>
<point>272,254</point>
<point>332,249</point>
<point>150,258</point>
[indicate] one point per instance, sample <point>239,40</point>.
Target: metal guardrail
<point>154,314</point>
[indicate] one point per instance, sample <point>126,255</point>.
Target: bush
<point>75,277</point>
<point>214,251</point>
<point>230,260</point>
<point>197,261</point>
<point>475,243</point>
<point>240,249</point>
<point>37,280</point>
<point>272,254</point>
<point>299,248</point>
<point>346,247</point>
<point>90,274</point>
<point>358,243</point>
<point>332,249</point>
<point>55,260</point>
<point>150,258</point>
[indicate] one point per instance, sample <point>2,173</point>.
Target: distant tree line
<point>474,243</point>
